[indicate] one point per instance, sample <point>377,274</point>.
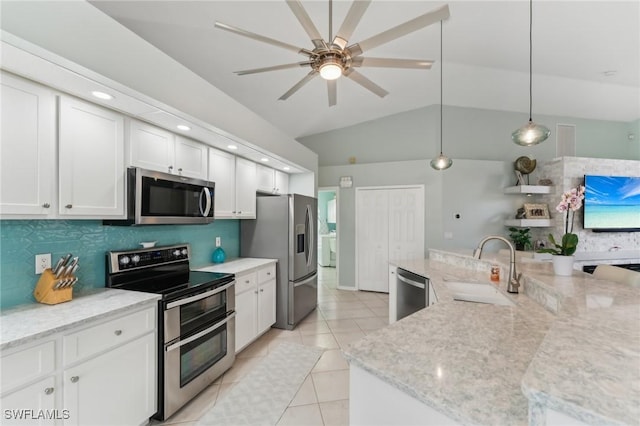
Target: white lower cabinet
<point>69,380</point>
<point>115,388</point>
<point>255,304</point>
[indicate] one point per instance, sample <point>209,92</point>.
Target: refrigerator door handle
<point>311,278</point>
<point>311,239</point>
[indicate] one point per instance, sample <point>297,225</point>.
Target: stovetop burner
<point>160,270</point>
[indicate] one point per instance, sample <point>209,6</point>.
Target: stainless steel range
<point>196,318</point>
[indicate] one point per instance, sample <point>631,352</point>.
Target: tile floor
<point>323,399</point>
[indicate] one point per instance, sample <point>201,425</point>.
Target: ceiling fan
<point>337,58</point>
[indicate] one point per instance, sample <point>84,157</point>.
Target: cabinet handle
<point>46,205</point>
<point>255,292</point>
<point>261,290</point>
<point>74,379</point>
<point>234,212</point>
<point>240,212</point>
<point>246,281</point>
<point>180,170</point>
<point>170,169</point>
<point>48,391</point>
<point>268,273</point>
<point>118,332</point>
<point>68,206</point>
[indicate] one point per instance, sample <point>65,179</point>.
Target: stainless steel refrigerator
<point>284,229</point>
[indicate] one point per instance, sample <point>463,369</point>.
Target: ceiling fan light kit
<point>531,133</point>
<point>441,162</point>
<point>336,58</point>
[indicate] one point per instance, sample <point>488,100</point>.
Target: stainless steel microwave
<point>156,198</point>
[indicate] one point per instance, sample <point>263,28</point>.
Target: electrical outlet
<point>43,261</point>
<point>218,242</point>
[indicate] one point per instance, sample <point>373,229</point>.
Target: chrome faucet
<point>513,280</point>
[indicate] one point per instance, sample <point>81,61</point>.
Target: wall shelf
<point>528,223</point>
<point>528,189</point>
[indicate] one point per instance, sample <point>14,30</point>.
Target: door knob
<point>46,205</point>
<point>68,206</point>
<point>48,391</point>
<point>118,332</point>
<point>75,379</point>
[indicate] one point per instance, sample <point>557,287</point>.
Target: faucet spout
<point>513,279</point>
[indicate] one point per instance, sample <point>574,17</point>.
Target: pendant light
<point>531,133</point>
<point>441,162</point>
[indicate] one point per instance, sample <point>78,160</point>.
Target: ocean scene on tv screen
<point>611,202</point>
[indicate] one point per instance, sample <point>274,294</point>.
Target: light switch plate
<point>217,241</point>
<point>43,261</point>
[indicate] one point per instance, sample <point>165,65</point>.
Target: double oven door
<point>199,342</point>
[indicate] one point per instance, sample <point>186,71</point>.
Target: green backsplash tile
<point>21,240</point>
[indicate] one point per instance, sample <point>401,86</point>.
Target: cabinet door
<point>266,305</point>
<point>150,147</point>
<point>191,158</point>
<point>91,160</point>
<point>222,171</point>
<point>38,398</point>
<point>282,182</point>
<point>245,189</point>
<point>116,388</point>
<point>245,318</point>
<point>265,179</point>
<point>28,142</point>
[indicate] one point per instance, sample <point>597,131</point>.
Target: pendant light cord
<point>530,59</point>
<point>441,129</point>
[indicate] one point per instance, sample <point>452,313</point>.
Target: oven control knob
<point>184,252</point>
<point>176,253</point>
<point>135,258</point>
<point>124,260</point>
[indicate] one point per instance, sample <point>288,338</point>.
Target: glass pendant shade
<point>441,162</point>
<point>530,134</point>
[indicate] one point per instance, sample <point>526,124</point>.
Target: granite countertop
<point>568,344</point>
<point>237,265</point>
<point>27,323</point>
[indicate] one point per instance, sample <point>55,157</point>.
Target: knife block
<point>45,293</point>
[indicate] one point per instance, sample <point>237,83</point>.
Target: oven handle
<point>200,296</point>
<point>200,334</point>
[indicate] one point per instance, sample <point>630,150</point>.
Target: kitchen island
<point>569,350</point>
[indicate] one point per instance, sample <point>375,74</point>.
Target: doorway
<point>328,235</point>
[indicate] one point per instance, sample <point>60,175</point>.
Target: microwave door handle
<point>205,191</point>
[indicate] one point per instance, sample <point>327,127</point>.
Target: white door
<point>27,157</point>
<point>222,171</point>
<point>372,231</point>
<point>245,189</point>
<point>406,224</point>
<point>191,158</point>
<point>389,226</point>
<point>151,147</point>
<point>91,160</point>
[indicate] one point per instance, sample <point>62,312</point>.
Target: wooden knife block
<point>44,292</point>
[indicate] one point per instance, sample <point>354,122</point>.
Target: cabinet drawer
<point>107,335</point>
<point>23,366</point>
<point>246,282</point>
<point>267,273</point>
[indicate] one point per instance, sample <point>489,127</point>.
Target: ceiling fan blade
<point>360,61</point>
<point>332,88</point>
<point>273,68</point>
<point>365,82</point>
<point>408,27</point>
<point>263,39</point>
<point>306,22</point>
<point>307,78</point>
<point>351,21</point>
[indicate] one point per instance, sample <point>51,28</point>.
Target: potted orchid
<point>563,253</point>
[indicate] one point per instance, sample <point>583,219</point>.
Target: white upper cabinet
<point>157,149</point>
<point>27,163</point>
<point>222,171</point>
<point>272,181</point>
<point>245,189</point>
<point>91,160</point>
<point>191,158</point>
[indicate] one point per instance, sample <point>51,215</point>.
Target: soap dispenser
<point>218,254</point>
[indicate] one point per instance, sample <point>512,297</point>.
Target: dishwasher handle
<point>406,280</point>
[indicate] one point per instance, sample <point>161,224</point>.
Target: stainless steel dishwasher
<point>412,293</point>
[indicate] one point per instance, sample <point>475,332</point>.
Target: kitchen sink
<point>477,292</point>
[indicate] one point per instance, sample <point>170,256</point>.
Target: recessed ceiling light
<point>232,147</point>
<point>286,168</point>
<point>102,95</point>
<point>264,159</point>
<point>183,127</point>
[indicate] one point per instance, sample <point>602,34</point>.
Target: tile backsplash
<point>21,240</point>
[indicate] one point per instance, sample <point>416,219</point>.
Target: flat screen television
<point>612,203</point>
